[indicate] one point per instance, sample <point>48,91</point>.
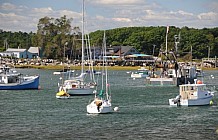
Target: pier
<point>210,62</point>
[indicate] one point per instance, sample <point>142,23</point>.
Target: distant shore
<point>60,67</point>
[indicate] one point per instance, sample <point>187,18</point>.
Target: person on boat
<point>98,103</point>
<point>98,106</point>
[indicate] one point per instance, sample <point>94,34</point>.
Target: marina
<point>109,70</point>
<point>144,112</point>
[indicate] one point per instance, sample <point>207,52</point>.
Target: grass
<point>59,67</point>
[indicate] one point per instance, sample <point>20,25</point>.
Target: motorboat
<point>140,73</point>
<point>10,79</point>
<point>64,71</point>
<point>195,94</point>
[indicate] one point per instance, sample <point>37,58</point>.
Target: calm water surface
<point>144,113</point>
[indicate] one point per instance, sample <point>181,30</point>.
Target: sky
<point>23,15</point>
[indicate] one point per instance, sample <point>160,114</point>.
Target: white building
<point>33,52</point>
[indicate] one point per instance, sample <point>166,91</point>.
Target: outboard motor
<point>177,100</point>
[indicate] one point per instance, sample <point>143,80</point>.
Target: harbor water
<point>144,112</point>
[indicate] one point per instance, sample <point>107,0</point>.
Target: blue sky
<point>23,15</point>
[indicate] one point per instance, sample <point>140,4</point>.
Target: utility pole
<point>66,43</point>
<point>153,48</point>
<point>191,53</point>
<point>208,52</point>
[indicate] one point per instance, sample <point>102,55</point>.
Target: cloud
<point>46,10</point>
<point>122,19</point>
<point>117,2</point>
<point>11,7</point>
<point>208,16</point>
<point>16,18</point>
<point>7,6</point>
<point>109,15</point>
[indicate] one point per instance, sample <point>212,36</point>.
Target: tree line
<point>58,39</point>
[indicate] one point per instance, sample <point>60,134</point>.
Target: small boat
<point>141,73</point>
<point>62,95</point>
<point>10,79</point>
<point>192,95</point>
<point>94,72</point>
<point>64,71</point>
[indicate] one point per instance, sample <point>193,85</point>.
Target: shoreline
<point>60,67</point>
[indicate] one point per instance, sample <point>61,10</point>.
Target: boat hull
<point>31,82</point>
<point>138,76</point>
<point>92,108</point>
<point>80,91</point>
<point>62,97</point>
<point>191,102</point>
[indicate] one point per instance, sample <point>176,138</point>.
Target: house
<point>17,53</point>
<point>33,52</point>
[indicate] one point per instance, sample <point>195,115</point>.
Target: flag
<point>168,29</point>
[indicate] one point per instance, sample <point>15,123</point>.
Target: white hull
<point>191,102</point>
<point>62,97</point>
<point>138,76</point>
<point>92,108</point>
<point>59,73</point>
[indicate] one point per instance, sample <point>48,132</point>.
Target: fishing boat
<point>102,100</point>
<point>195,94</point>
<point>171,72</point>
<point>10,79</point>
<point>79,85</point>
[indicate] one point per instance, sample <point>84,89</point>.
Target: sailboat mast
<point>106,74</point>
<point>82,69</point>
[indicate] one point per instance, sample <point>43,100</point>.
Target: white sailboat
<point>78,85</point>
<point>102,100</point>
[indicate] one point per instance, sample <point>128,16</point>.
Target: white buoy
<point>116,108</point>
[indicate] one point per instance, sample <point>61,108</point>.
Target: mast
<point>106,74</point>
<point>83,5</point>
<point>166,38</point>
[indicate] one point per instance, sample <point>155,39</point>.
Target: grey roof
<point>124,49</point>
<point>34,50</point>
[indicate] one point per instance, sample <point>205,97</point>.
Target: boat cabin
<point>193,91</point>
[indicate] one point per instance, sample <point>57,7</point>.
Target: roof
<point>15,50</point>
<point>34,50</point>
<point>124,49</point>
